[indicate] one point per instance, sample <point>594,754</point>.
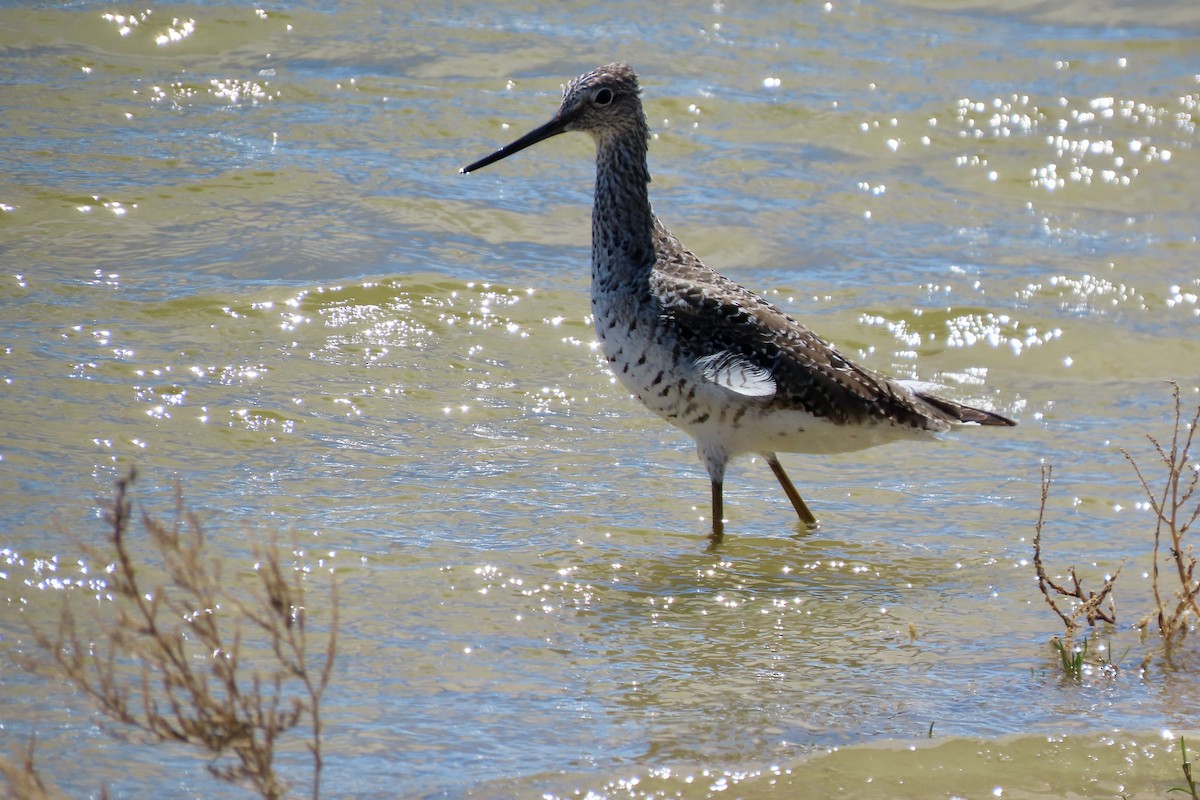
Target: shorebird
<point>707,355</point>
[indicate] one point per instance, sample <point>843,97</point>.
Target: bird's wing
<point>736,373</point>
<point>742,342</point>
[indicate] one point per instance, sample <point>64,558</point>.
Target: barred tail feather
<point>960,413</point>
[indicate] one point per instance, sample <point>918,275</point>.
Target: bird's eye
<point>602,97</point>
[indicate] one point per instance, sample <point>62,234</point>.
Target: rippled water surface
<point>237,254</point>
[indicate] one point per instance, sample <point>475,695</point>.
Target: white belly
<point>792,431</point>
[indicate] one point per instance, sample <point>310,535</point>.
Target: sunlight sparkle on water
<point>125,24</point>
<point>1077,154</point>
<point>179,30</point>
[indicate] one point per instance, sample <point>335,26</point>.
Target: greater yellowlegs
<point>705,354</point>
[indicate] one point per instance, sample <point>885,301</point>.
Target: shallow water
<point>237,254</point>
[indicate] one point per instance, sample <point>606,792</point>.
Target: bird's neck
<point>622,220</point>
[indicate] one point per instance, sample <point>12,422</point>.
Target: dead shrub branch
<point>1081,604</point>
<point>1174,515</point>
<point>1176,508</point>
<point>225,666</point>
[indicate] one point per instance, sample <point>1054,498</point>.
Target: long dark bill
<point>552,128</point>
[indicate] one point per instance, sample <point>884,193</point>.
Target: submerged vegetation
<point>227,666</point>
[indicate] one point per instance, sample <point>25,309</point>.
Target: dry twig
<point>24,780</point>
<point>1173,516</point>
<point>192,682</point>
<point>1083,604</point>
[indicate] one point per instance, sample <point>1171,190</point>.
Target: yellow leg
<point>789,489</point>
<point>718,511</point>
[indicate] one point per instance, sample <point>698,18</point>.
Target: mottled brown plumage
<point>711,357</point>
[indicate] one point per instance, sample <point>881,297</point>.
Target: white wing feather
<point>737,374</point>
